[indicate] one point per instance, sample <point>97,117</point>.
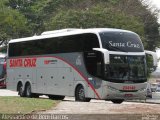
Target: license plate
<point>128,95</point>
<point>129,88</point>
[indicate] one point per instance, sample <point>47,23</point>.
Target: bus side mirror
<point>105,53</point>
<point>151,59</point>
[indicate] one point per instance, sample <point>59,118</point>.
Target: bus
<point>98,63</point>
<point>3,70</point>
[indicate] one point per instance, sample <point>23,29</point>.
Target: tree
<point>12,24</point>
<point>43,15</point>
<point>148,16</point>
<point>96,16</point>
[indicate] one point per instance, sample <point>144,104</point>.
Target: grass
<point>16,105</point>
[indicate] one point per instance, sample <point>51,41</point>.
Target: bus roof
<point>67,32</point>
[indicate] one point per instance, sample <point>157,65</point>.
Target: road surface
<point>105,110</point>
<point>100,109</point>
<point>5,92</point>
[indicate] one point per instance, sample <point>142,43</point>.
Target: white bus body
<point>97,63</point>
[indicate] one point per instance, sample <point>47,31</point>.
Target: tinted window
<point>121,41</point>
<point>74,43</point>
<point>94,63</point>
<point>70,44</point>
<point>90,42</point>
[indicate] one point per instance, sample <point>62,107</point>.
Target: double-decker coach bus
<point>98,63</point>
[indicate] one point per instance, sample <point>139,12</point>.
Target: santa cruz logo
<point>78,60</point>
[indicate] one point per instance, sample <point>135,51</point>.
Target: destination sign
<point>121,44</point>
<point>121,41</point>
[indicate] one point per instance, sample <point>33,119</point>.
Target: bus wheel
<point>80,94</point>
<point>28,90</point>
<point>117,101</point>
<point>56,97</point>
<point>21,92</point>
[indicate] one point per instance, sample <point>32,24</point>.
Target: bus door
<point>95,67</point>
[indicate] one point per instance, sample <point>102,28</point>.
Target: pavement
<point>5,92</point>
<point>154,100</point>
<point>100,109</point>
<point>103,107</point>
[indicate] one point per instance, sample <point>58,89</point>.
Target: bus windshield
<point>126,68</point>
<point>121,41</point>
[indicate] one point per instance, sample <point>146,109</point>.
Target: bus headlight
<point>143,89</point>
<point>112,88</point>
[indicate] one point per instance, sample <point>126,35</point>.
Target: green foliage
<point>150,66</point>
<point>17,105</point>
<point>94,17</point>
<point>89,19</point>
<point>13,24</point>
<point>20,18</point>
<point>151,37</point>
<point>124,14</point>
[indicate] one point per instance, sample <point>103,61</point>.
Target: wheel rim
<point>20,90</point>
<point>81,94</point>
<point>28,92</point>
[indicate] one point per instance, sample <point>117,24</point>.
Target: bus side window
<point>94,63</point>
<point>90,42</point>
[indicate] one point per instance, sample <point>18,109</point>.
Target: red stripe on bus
<point>81,74</point>
<point>86,79</point>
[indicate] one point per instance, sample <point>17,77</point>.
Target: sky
<point>156,3</point>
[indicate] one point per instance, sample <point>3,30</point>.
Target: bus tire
<point>28,90</point>
<point>80,94</point>
<point>56,97</point>
<point>117,101</point>
<point>21,92</point>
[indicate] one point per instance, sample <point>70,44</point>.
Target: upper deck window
<point>62,44</point>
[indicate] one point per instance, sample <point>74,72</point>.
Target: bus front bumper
<point>138,95</point>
